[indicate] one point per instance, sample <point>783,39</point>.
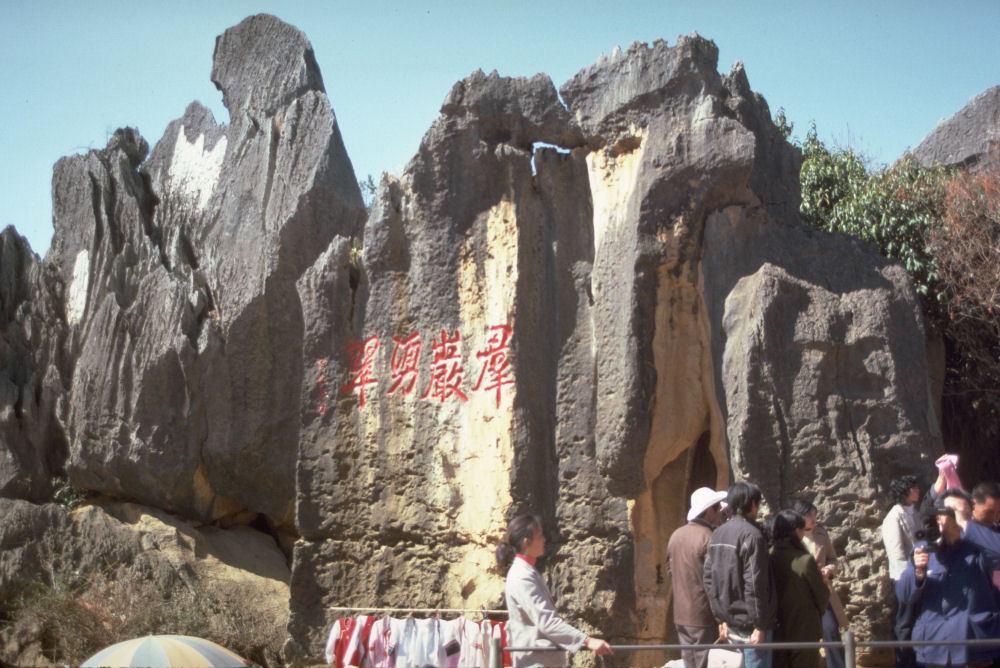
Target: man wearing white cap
<point>686,549</point>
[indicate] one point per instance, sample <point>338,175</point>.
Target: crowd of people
<point>944,561</point>
<point>742,581</point>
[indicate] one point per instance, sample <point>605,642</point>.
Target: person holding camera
<point>948,584</point>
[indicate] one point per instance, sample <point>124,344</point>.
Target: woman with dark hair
<point>899,528</point>
<point>532,618</point>
<point>818,542</point>
<point>899,533</point>
<point>802,593</point>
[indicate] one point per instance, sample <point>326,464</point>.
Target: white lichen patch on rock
<point>76,304</point>
<point>612,183</point>
<point>195,170</point>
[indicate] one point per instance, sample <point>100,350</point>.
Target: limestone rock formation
<point>33,373</point>
<point>647,314</point>
<point>583,303</point>
<point>185,326</point>
<point>970,138</point>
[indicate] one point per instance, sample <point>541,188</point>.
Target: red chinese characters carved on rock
<point>405,357</point>
<point>495,363</point>
<point>362,360</point>
<point>446,370</point>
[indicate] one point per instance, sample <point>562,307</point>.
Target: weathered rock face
<point>186,328</point>
<point>970,138</point>
<point>667,322</point>
<point>39,540</point>
<point>33,373</point>
<point>584,310</point>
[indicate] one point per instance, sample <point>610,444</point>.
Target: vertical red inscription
<point>446,369</point>
<point>362,360</point>
<point>496,365</point>
<point>405,356</point>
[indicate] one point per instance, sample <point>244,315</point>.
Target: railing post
<point>850,650</point>
<point>496,655</point>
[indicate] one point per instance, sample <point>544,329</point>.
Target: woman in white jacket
<point>532,618</point>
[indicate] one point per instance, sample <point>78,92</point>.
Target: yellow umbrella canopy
<point>165,652</point>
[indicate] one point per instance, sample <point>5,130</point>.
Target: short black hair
<point>742,495</point>
<point>955,491</point>
<point>803,507</point>
<point>900,487</point>
<point>941,509</point>
<point>984,490</point>
<point>785,524</point>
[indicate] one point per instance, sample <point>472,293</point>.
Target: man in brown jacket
<point>686,549</point>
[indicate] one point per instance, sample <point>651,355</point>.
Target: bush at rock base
<point>943,225</point>
<point>65,624</point>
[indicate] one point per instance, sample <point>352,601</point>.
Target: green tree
<point>943,225</point>
<point>895,207</point>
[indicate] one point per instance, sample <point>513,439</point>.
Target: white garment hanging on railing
<point>389,642</point>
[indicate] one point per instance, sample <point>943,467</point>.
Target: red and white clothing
<point>370,642</point>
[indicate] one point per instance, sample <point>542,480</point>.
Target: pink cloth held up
<point>948,465</point>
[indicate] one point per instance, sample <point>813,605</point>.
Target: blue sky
<point>875,75</point>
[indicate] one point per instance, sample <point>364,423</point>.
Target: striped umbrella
<point>166,652</point>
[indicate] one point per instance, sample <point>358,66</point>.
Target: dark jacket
<point>738,578</point>
<point>802,593</point>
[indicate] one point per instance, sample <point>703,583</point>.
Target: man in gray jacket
<point>738,578</point>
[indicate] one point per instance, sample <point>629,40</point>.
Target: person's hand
<point>723,632</point>
<point>828,572</point>
<point>598,646</point>
<point>963,511</point>
<point>756,637</point>
<point>921,557</point>
<point>940,485</point>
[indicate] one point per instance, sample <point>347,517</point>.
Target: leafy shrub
<point>65,494</point>
<point>944,227</point>
<point>894,208</point>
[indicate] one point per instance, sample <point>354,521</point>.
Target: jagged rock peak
<point>131,143</point>
<point>516,110</point>
<point>603,91</point>
<point>968,138</point>
<point>263,63</point>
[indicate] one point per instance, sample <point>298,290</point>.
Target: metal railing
<point>849,644</point>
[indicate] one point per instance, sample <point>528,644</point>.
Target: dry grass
<point>60,624</point>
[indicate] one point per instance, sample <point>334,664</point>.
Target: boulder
<point>83,549</point>
<point>970,138</point>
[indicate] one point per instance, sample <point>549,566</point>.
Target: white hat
<point>702,499</point>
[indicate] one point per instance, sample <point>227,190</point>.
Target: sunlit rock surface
<point>970,138</point>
